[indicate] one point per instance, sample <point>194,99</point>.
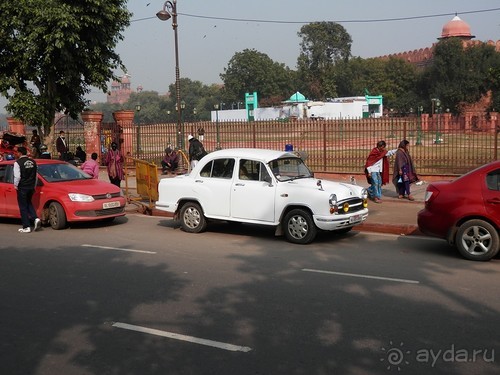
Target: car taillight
<point>430,194</point>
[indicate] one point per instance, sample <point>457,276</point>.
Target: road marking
<point>362,276</point>
<point>119,249</point>
<point>176,336</point>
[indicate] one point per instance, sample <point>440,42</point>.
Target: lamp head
<point>163,15</point>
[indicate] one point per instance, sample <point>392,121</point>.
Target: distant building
<point>121,90</point>
<point>456,28</point>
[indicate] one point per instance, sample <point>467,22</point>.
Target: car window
<point>252,170</point>
<point>61,172</point>
<point>7,174</point>
<point>2,173</point>
<point>493,180</point>
<point>286,169</point>
<point>218,168</point>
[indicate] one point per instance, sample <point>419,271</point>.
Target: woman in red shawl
<point>404,172</point>
<point>377,170</point>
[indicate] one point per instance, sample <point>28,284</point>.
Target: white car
<point>265,187</point>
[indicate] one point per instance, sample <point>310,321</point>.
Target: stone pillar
<point>425,121</point>
<point>125,119</point>
<point>494,124</point>
<point>16,126</point>
<point>92,128</point>
<point>446,124</point>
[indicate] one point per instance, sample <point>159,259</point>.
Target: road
<point>140,296</point>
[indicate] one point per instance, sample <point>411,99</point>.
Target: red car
<point>64,194</point>
<point>466,212</point>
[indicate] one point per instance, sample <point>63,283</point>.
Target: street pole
<point>216,106</point>
<point>170,11</point>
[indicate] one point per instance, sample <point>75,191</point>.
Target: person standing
<point>114,164</point>
<point>404,173</point>
<point>196,151</point>
<point>25,178</point>
<point>91,166</point>
<point>377,170</point>
<point>61,146</point>
<point>35,142</point>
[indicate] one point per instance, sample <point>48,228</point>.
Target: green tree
<point>250,71</point>
<point>53,52</point>
<point>461,74</point>
<point>323,45</point>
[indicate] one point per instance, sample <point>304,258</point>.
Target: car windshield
<point>61,172</point>
<point>286,169</point>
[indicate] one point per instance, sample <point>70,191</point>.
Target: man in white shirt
<point>377,170</point>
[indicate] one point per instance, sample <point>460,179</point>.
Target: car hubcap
<point>297,227</point>
<point>192,217</point>
<point>477,240</point>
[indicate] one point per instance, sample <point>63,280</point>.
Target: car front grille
<point>105,196</point>
<point>355,204</point>
<point>98,213</point>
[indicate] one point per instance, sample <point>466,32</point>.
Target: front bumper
<point>335,222</point>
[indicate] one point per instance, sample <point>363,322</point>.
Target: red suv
<point>466,212</point>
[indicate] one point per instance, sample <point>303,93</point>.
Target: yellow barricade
<point>146,184</point>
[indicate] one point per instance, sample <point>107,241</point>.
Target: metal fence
<point>332,146</point>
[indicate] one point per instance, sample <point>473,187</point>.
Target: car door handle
<point>493,201</point>
<point>239,184</point>
<point>198,181</point>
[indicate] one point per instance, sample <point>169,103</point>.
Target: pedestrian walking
<point>196,150</point>
<point>114,164</point>
<point>25,179</point>
<point>377,170</point>
<point>404,173</point>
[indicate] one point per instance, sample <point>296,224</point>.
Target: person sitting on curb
<point>170,161</point>
<point>91,166</point>
<point>377,170</point>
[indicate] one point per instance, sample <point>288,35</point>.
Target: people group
<point>377,170</point>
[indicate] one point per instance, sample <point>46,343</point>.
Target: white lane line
<point>176,336</point>
<point>362,276</point>
<point>119,249</point>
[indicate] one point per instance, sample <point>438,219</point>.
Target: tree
<point>324,44</point>
<point>250,71</point>
<point>461,74</point>
<point>54,51</point>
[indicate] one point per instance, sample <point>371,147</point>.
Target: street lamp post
<point>437,103</point>
<point>420,110</point>
<point>170,11</point>
<point>138,143</point>
<point>216,106</point>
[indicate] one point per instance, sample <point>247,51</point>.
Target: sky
<point>211,32</point>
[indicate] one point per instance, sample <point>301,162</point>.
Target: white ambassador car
<point>265,187</point>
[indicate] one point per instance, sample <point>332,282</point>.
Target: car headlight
<point>74,197</point>
<point>364,194</point>
<point>332,200</point>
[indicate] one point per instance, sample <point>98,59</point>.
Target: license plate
<point>110,205</point>
<point>355,219</point>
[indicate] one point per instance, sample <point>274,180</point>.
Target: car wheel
<point>477,240</point>
<point>299,227</point>
<point>192,219</point>
<point>57,216</point>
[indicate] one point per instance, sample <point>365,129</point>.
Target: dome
<point>456,28</point>
<point>125,79</point>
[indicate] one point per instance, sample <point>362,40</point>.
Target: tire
<point>57,216</point>
<point>192,218</point>
<point>299,227</point>
<point>477,240</point>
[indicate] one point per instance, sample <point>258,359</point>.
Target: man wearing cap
<point>196,150</point>
<point>170,161</point>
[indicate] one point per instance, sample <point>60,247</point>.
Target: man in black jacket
<point>25,178</point>
<point>196,150</point>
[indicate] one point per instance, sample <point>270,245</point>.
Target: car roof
<point>38,161</point>
<point>260,154</point>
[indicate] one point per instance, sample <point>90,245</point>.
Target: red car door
<point>491,194</point>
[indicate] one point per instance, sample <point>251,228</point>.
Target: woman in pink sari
<point>114,163</point>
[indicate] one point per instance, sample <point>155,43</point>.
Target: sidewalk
<point>393,215</point>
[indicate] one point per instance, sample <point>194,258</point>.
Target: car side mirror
<point>268,179</point>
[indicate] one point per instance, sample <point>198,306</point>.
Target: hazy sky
<point>211,32</point>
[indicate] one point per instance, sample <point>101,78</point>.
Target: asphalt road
<point>140,296</point>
